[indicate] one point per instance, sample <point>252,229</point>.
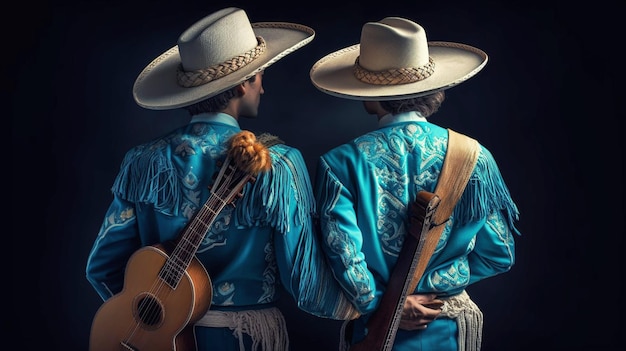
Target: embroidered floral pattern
<point>390,153</point>
<point>497,223</point>
<point>117,219</point>
<point>223,294</point>
<point>269,275</point>
<point>455,275</point>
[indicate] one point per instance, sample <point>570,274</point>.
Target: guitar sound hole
<point>149,311</point>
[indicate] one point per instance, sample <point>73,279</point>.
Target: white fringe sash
<point>266,327</point>
<point>468,316</point>
<point>469,319</point>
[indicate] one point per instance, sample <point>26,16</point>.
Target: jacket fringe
<point>325,298</point>
<point>268,199</point>
<point>485,193</point>
<point>274,193</point>
<point>147,175</point>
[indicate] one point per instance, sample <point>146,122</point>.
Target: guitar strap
<point>459,162</point>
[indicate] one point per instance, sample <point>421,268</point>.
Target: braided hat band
<point>394,60</point>
<point>188,79</point>
<point>394,76</point>
<point>214,54</point>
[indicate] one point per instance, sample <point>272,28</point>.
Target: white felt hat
<point>394,61</point>
<point>215,54</point>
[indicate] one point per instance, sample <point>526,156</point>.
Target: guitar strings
<point>150,306</point>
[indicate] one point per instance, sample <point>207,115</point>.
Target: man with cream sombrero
<point>364,187</point>
<point>215,72</point>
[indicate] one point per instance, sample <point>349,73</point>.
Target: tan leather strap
<point>458,164</point>
<point>460,160</point>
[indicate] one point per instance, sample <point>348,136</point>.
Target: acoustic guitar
<point>166,289</point>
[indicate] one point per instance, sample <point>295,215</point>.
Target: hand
<point>419,310</point>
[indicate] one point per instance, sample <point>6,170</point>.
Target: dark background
<point>546,105</point>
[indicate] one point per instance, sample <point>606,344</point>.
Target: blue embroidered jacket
<point>363,189</point>
<point>251,248</point>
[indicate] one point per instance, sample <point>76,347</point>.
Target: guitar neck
<point>188,243</point>
<point>382,325</point>
<point>228,184</point>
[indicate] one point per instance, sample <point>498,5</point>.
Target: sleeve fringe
<point>325,298</point>
<point>148,176</point>
<point>274,193</point>
<point>486,192</point>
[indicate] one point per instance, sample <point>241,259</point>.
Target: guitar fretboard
<point>228,184</point>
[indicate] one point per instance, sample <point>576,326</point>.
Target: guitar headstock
<point>245,158</point>
<point>248,153</point>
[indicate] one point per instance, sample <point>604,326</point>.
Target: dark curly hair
<point>426,105</point>
<point>215,103</point>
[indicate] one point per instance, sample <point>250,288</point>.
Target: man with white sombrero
<point>215,72</point>
<point>364,187</point>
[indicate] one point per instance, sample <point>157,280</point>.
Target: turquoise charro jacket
<point>265,240</point>
<point>363,189</point>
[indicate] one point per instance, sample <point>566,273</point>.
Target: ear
<point>241,89</point>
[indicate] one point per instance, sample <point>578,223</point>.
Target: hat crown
<point>215,39</point>
<point>393,43</point>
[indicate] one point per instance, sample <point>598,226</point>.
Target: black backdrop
<point>546,105</point>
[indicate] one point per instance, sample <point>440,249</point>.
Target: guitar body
<point>148,314</point>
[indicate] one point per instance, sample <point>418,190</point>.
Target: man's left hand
<point>419,310</point>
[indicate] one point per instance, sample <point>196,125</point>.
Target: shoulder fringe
<point>485,193</point>
<point>268,200</point>
<point>149,177</point>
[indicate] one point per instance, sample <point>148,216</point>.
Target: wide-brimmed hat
<point>213,55</point>
<point>395,61</point>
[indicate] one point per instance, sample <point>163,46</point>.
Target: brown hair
<point>426,105</point>
<point>215,103</point>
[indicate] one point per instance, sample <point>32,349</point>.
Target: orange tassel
<point>248,153</point>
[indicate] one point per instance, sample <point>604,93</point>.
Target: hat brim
<point>454,64</point>
<point>156,86</point>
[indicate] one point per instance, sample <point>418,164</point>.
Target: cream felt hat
<point>395,61</point>
<point>213,55</point>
